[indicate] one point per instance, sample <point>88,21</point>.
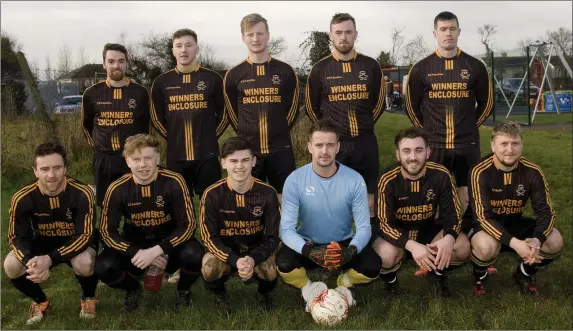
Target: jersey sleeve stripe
<point>381,98</point>
<point>188,206</point>
<point>88,230</point>
<point>121,246</point>
<point>478,204</point>
<point>294,107</point>
<point>409,108</point>
<point>384,181</point>
<point>548,199</point>
<point>154,119</point>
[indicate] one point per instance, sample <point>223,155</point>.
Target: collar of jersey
<point>353,58</point>
<point>126,83</point>
<point>231,187</point>
<point>415,180</point>
<point>448,58</point>
<point>251,62</point>
<point>197,66</point>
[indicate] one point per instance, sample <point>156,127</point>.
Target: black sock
<point>266,286</point>
<point>451,267</point>
<point>217,286</point>
<point>529,270</point>
<point>388,275</point>
<point>480,267</point>
<point>126,282</point>
<point>88,285</point>
<point>187,278</point>
<point>29,288</point>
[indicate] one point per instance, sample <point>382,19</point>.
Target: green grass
<point>416,307</point>
<point>541,119</point>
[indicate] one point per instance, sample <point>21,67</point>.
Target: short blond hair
<point>137,142</point>
<point>252,19</point>
<point>509,128</point>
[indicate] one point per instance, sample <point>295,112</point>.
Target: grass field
<point>416,308</point>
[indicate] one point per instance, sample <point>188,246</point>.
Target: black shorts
<point>521,230</point>
<point>361,155</point>
<point>457,161</point>
<point>108,167</point>
<point>367,262</point>
<point>275,167</point>
<point>198,174</point>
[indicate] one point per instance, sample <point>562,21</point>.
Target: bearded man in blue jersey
<point>326,196</point>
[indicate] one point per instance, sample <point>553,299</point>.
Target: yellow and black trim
<point>260,70</point>
<point>104,230</point>
<point>455,197</point>
<point>507,178</point>
<point>263,132</point>
<point>232,111</point>
<point>240,200</point>
<point>308,104</point>
<point>18,196</point>
<point>205,235</point>
<point>409,109</point>
<point>353,123</point>
<point>384,224</point>
<point>489,104</point>
<point>189,148</point>
<point>346,67</point>
<point>449,64</point>
<point>154,119</point>
<point>117,94</point>
<point>291,115</point>
<point>530,164</point>
<point>381,99</point>
<point>84,238</point>
<point>415,186</point>
<point>450,128</point>
<point>188,207</point>
<point>477,199</point>
<point>146,191</point>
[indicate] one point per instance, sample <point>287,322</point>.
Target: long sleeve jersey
<point>111,114</point>
<point>351,93</point>
<point>234,225</point>
<point>325,207</point>
<point>406,206</point>
<point>262,99</point>
<point>160,213</point>
<point>188,109</point>
<point>450,98</point>
<point>66,221</point>
<point>498,197</point>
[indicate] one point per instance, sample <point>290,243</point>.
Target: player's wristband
<point>451,232</point>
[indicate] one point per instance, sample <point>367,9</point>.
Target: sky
<point>42,28</point>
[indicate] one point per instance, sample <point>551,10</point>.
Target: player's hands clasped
<point>445,248</point>
<point>422,254</point>
<point>38,268</point>
<point>246,267</point>
<point>340,256</point>
<point>145,257</point>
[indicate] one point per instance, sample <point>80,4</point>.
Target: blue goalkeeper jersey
<point>326,207</point>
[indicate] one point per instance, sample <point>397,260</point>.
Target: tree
<point>563,39</point>
<point>415,50</point>
<point>397,36</point>
<point>208,59</point>
<point>82,57</point>
<point>13,92</point>
<point>317,44</point>
<point>487,31</point>
<point>384,59</point>
<point>277,46</point>
<point>65,60</point>
<point>49,76</point>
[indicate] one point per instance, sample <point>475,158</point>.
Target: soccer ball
<point>330,307</point>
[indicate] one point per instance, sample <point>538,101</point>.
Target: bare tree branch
<point>277,45</point>
<point>487,31</point>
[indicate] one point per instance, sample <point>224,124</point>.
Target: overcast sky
<point>43,27</point>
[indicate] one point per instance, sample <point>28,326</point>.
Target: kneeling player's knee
<point>267,269</point>
<point>484,247</point>
<point>191,257</point>
<point>107,269</point>
<point>462,247</point>
<point>13,267</point>
<point>211,267</point>
<point>83,264</point>
<point>554,242</point>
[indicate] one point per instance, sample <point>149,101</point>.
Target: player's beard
<point>344,49</point>
<point>416,172</point>
<point>506,164</point>
<point>117,76</point>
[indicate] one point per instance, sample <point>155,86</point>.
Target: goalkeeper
<point>325,195</point>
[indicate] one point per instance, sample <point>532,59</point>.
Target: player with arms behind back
<point>348,88</point>
<point>262,97</point>
<point>449,94</point>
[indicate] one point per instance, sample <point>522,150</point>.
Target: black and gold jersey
<point>66,221</point>
<point>160,213</point>
<point>262,99</point>
<point>450,98</point>
<point>234,225</point>
<point>351,93</point>
<point>189,110</point>
<point>111,114</point>
<point>498,198</point>
<point>404,206</point>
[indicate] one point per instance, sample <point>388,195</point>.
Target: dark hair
<point>50,148</point>
<point>114,47</point>
<point>341,17</point>
<point>445,16</point>
<point>323,125</point>
<point>234,144</point>
<point>411,133</point>
<point>183,32</point>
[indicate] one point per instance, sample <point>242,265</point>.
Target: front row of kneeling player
<point>52,221</point>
